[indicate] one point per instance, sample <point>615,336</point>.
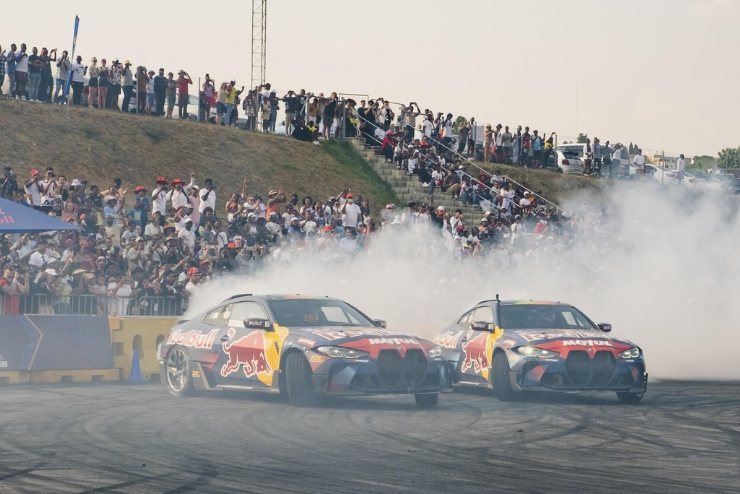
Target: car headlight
<point>631,353</point>
<point>337,351</point>
<point>532,351</point>
<point>435,352</point>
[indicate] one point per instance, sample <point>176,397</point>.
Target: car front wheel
<point>500,378</point>
<point>179,379</point>
<point>298,381</point>
<point>630,398</point>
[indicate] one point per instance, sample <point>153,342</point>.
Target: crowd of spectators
<point>149,250</point>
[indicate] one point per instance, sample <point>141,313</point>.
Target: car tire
<point>178,372</point>
<point>298,381</point>
<point>500,378</point>
<point>630,398</point>
<point>427,400</point>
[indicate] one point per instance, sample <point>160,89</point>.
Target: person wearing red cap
<point>195,279</point>
<point>178,196</point>
<point>159,198</point>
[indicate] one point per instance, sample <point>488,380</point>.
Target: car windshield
<point>317,312</point>
<point>571,151</point>
<point>532,316</point>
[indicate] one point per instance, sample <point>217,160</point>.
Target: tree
<point>729,158</point>
<point>582,138</point>
<point>631,148</point>
<point>703,162</point>
<point>456,125</point>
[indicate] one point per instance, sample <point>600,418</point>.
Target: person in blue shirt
<point>536,149</point>
<point>144,204</point>
<point>112,209</point>
<point>138,215</point>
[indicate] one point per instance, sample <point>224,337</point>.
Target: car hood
<point>359,337</point>
<point>555,338</point>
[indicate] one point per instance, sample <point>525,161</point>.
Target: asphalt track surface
<point>684,437</point>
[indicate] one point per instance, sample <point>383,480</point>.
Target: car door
<point>476,344</point>
<point>244,357</point>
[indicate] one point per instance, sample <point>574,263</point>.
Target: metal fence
<point>93,305</point>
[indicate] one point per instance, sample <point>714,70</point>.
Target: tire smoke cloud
<point>663,271</point>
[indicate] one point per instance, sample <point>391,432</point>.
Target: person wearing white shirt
<point>187,236</point>
<point>159,199</point>
<point>616,159</point>
<point>207,196</point>
<point>178,196</point>
<point>428,126</point>
<point>154,227</point>
<point>351,213</point>
<point>639,162</point>
<point>680,169</point>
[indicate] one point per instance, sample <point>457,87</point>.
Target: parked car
<point>566,158</point>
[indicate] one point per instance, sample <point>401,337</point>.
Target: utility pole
<point>259,42</point>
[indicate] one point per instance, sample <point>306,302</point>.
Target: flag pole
<point>71,61</point>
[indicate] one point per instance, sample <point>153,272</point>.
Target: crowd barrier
<point>44,348</point>
<point>92,305</point>
<point>140,334</point>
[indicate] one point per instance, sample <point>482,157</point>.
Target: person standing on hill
<point>128,85</point>
<point>160,90</point>
<point>231,94</point>
<point>141,82</point>
<point>78,80</point>
<point>171,93</point>
<point>183,81</point>
<point>639,162</point>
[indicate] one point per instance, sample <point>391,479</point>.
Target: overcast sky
<point>661,73</point>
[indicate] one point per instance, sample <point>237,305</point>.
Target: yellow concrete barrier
<point>60,376</point>
<point>139,333</point>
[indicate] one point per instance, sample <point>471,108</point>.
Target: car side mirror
<point>481,326</point>
<point>380,323</point>
<point>257,323</point>
<point>606,328</point>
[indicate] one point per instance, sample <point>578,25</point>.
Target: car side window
<point>465,320</point>
<point>245,310</point>
<point>217,317</point>
<point>483,314</point>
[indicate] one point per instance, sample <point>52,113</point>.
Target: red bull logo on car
<point>247,353</point>
<point>448,339</point>
<point>192,339</point>
<point>475,354</point>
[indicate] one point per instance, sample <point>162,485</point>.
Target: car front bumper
<point>363,376</point>
<point>537,374</point>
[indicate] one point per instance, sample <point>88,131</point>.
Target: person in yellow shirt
<point>231,94</point>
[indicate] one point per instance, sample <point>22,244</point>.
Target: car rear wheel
<point>427,400</point>
<point>179,379</point>
<point>630,397</point>
<point>298,381</point>
<point>500,378</point>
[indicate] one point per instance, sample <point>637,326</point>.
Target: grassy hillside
<point>100,145</point>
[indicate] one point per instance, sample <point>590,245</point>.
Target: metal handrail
<point>491,189</point>
<point>508,179</point>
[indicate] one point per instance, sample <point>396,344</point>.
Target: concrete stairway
<point>409,188</point>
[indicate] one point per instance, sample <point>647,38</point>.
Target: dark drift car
<point>303,347</point>
<point>522,346</point>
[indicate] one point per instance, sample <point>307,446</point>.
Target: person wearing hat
<point>178,196</point>
<point>274,199</point>
<point>128,85</point>
<point>183,81</point>
<point>351,212</point>
<point>150,92</point>
<point>33,189</point>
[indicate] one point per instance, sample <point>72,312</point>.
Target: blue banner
<point>71,59</point>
